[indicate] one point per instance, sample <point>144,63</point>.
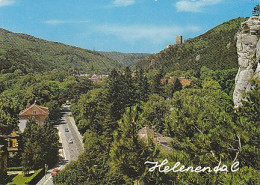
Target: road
<point>67,130</point>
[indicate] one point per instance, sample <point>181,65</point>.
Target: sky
<point>132,26</point>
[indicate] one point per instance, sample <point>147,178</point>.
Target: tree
<point>154,111</point>
<point>91,167</point>
<point>129,88</point>
<point>248,129</point>
<point>177,85</point>
<point>3,176</point>
<point>142,86</point>
<point>92,110</point>
<point>116,95</point>
<point>156,84</point>
<point>40,146</point>
<point>256,11</point>
<point>127,153</point>
<point>3,150</point>
<point>8,114</point>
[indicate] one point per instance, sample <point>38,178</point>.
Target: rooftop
<point>34,109</point>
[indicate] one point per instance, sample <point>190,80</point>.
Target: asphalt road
<point>67,130</point>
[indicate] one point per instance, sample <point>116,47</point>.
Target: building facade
<point>39,113</point>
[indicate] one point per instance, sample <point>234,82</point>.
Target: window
<point>34,112</point>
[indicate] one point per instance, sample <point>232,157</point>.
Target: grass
<point>20,179</point>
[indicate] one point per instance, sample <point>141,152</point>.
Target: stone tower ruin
<point>179,39</point>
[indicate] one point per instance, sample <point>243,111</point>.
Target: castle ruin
<point>179,39</point>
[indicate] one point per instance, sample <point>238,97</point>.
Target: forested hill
<point>129,59</point>
<point>27,53</point>
<point>215,49</point>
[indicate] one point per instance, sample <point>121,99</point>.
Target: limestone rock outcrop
<point>248,49</point>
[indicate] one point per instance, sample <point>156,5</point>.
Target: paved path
<point>69,151</point>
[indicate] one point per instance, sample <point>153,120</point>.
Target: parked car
<point>70,141</point>
<point>54,172</point>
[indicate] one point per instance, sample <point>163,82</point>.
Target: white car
<point>70,141</point>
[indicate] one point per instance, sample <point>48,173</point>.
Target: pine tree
<point>129,88</point>
<point>115,95</point>
<point>142,86</point>
<point>256,10</point>
<point>156,82</point>
<point>127,154</point>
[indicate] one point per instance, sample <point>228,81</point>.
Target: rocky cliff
<point>248,49</point>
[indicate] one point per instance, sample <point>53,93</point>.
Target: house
<point>146,134</point>
<point>97,78</point>
<point>83,75</point>
<point>94,77</point>
<point>39,113</point>
<point>12,143</point>
<point>171,80</point>
<point>184,81</point>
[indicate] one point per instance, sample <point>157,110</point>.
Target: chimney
<point>179,39</point>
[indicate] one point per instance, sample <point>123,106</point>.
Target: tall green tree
<point>248,129</point>
<point>156,82</point>
<point>128,153</point>
<point>116,95</point>
<point>40,146</point>
<point>142,86</point>
<point>154,112</point>
<point>93,109</point>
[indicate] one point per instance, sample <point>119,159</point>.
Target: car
<point>70,141</point>
<point>66,130</point>
<point>54,172</point>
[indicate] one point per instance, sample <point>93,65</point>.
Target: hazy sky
<point>119,25</point>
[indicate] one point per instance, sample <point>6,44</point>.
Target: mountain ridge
<point>215,49</point>
<point>129,59</point>
<point>28,54</point>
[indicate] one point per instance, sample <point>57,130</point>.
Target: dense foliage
<point>197,119</point>
<point>49,89</point>
<point>40,146</point>
<point>216,49</point>
<point>39,142</point>
<point>200,119</point>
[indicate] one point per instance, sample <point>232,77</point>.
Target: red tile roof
<point>171,80</point>
<point>40,113</point>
